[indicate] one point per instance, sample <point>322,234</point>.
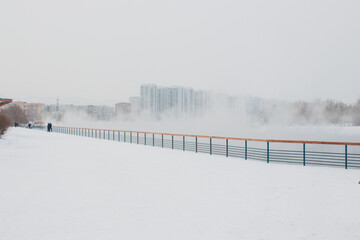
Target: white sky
<point>95,52</point>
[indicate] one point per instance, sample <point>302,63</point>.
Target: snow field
<point>55,186</point>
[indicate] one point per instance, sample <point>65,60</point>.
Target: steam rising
<point>326,121</point>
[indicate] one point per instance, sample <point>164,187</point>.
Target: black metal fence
<point>336,154</point>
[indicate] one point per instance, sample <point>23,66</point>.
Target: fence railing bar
<point>303,156</point>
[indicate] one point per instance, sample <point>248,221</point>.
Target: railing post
<point>104,134</point>
<point>210,146</point>
<point>227,147</point>
<point>172,141</point>
<point>153,141</point>
<point>137,138</point>
<point>245,149</point>
<point>304,156</point>
<point>268,153</point>
<point>124,136</point>
<point>183,143</point>
<point>196,144</point>
<point>113,135</point>
<point>162,140</point>
<point>130,137</point>
<point>346,157</point>
<point>145,138</point>
<point>108,134</point>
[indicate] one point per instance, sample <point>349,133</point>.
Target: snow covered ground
<point>55,186</point>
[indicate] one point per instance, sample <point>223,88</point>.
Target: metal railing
<point>336,154</point>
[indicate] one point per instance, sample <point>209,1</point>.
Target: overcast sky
<point>101,51</point>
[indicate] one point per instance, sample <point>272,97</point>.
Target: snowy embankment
<point>55,186</point>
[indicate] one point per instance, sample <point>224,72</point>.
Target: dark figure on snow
<point>49,127</point>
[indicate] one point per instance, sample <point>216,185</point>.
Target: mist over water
<point>223,123</point>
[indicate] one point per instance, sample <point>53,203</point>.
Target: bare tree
<point>15,114</point>
<point>5,123</point>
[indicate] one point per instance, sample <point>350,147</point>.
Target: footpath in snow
<point>55,186</point>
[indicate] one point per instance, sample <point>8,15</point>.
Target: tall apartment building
<point>254,105</point>
<point>148,99</point>
<point>201,102</point>
<point>135,106</point>
<point>175,101</point>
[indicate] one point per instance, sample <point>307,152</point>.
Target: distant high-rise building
<point>175,101</point>
<point>123,109</point>
<point>200,102</point>
<point>135,106</point>
<point>148,99</point>
<point>253,106</point>
<point>188,100</point>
